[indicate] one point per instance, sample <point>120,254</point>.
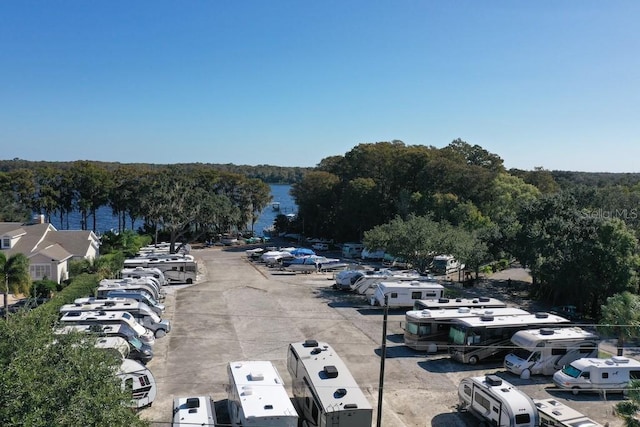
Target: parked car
<point>569,311</point>
<point>26,304</point>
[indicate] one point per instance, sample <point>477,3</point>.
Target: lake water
<point>105,220</point>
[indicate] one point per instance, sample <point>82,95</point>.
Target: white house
<point>47,248</point>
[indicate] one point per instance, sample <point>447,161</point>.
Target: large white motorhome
<point>543,351</point>
<point>367,284</point>
<point>428,330</point>
<point>121,295</point>
<point>108,318</point>
<point>405,294</point>
<point>139,351</point>
<point>145,284</point>
<point>139,310</point>
<point>445,264</point>
<point>194,411</point>
<point>593,374</point>
<point>139,382</point>
<point>472,339</point>
<point>325,393</point>
<point>176,268</point>
<point>138,272</point>
<point>495,401</point>
<point>258,397</point>
<point>455,303</point>
<point>555,414</point>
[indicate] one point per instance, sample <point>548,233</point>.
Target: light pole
<point>383,356</point>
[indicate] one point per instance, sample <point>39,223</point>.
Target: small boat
<point>275,206</point>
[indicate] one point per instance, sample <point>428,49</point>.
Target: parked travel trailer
<point>472,339</point>
<point>445,264</point>
<point>346,278</point>
<point>352,250</point>
<point>454,303</point>
<point>368,284</point>
<point>556,414</point>
<point>108,318</point>
<point>405,294</point>
<point>593,374</point>
<point>543,351</point>
<point>176,268</point>
<point>324,391</point>
<point>497,402</point>
<point>139,381</point>
<point>139,272</point>
<point>428,330</point>
<point>258,397</point>
<point>139,310</point>
<point>145,284</point>
<point>140,296</point>
<point>139,351</point>
<point>194,411</point>
<point>372,254</point>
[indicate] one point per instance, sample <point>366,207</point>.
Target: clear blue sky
<point>540,83</point>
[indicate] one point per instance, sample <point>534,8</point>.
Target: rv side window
<point>523,419</point>
<point>634,375</point>
<point>587,349</point>
<point>605,375</point>
<point>393,295</point>
<point>467,390</point>
<point>416,295</point>
<point>558,351</point>
<point>483,401</point>
<point>293,363</point>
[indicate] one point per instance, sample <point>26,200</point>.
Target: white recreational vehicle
<point>428,330</point>
<point>455,303</point>
<point>257,396</point>
<point>352,250</point>
<point>139,382</point>
<point>405,294</point>
<point>497,402</point>
<point>325,393</point>
<point>556,414</point>
<point>144,284</point>
<point>141,296</point>
<point>139,310</point>
<point>545,350</point>
<point>193,411</point>
<point>368,284</point>
<point>139,272</point>
<point>176,268</point>
<point>108,318</point>
<point>593,374</point>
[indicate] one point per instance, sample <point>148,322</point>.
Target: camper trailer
<point>324,391</point>
<point>194,411</point>
<point>555,414</point>
<point>593,374</point>
<point>140,311</point>
<point>257,396</point>
<point>139,272</point>
<point>495,401</point>
<point>140,296</point>
<point>543,351</point>
<point>139,382</point>
<point>147,284</point>
<point>368,284</point>
<point>445,264</point>
<point>108,318</point>
<point>405,294</point>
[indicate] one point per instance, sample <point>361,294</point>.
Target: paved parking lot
<point>241,310</point>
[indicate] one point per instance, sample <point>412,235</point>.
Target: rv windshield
<point>418,329</point>
<point>457,334</point>
<point>571,371</point>
<point>522,353</point>
<point>135,342</point>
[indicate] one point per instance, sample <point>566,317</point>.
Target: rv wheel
<point>160,333</point>
<point>525,375</point>
<point>189,281</point>
<point>473,360</point>
<point>575,390</point>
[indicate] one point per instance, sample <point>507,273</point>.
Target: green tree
<point>15,276</point>
<point>621,318</point>
<point>628,409</point>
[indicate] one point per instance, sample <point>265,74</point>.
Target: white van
<point>593,374</point>
<point>193,411</point>
<point>352,250</point>
<point>493,400</point>
<point>545,350</point>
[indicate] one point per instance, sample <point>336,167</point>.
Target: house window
<point>40,271</point>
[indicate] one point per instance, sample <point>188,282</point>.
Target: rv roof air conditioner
<point>487,317</point>
<point>464,310</point>
<point>330,371</point>
<point>493,380</point>
<point>443,300</point>
<point>256,376</point>
<point>458,299</point>
<point>542,315</point>
<point>619,359</point>
<point>310,343</point>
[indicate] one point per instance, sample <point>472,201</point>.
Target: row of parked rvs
<point>125,315</point>
<point>324,393</point>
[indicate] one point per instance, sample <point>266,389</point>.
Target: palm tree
<point>15,272</point>
<point>621,317</point>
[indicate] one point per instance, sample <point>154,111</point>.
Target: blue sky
<point>540,83</point>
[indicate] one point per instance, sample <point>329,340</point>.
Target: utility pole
<point>383,356</point>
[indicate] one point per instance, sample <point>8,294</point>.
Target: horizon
<point>287,84</point>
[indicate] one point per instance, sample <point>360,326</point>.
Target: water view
<point>105,220</point>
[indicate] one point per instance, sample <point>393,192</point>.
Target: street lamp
<point>383,356</point>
